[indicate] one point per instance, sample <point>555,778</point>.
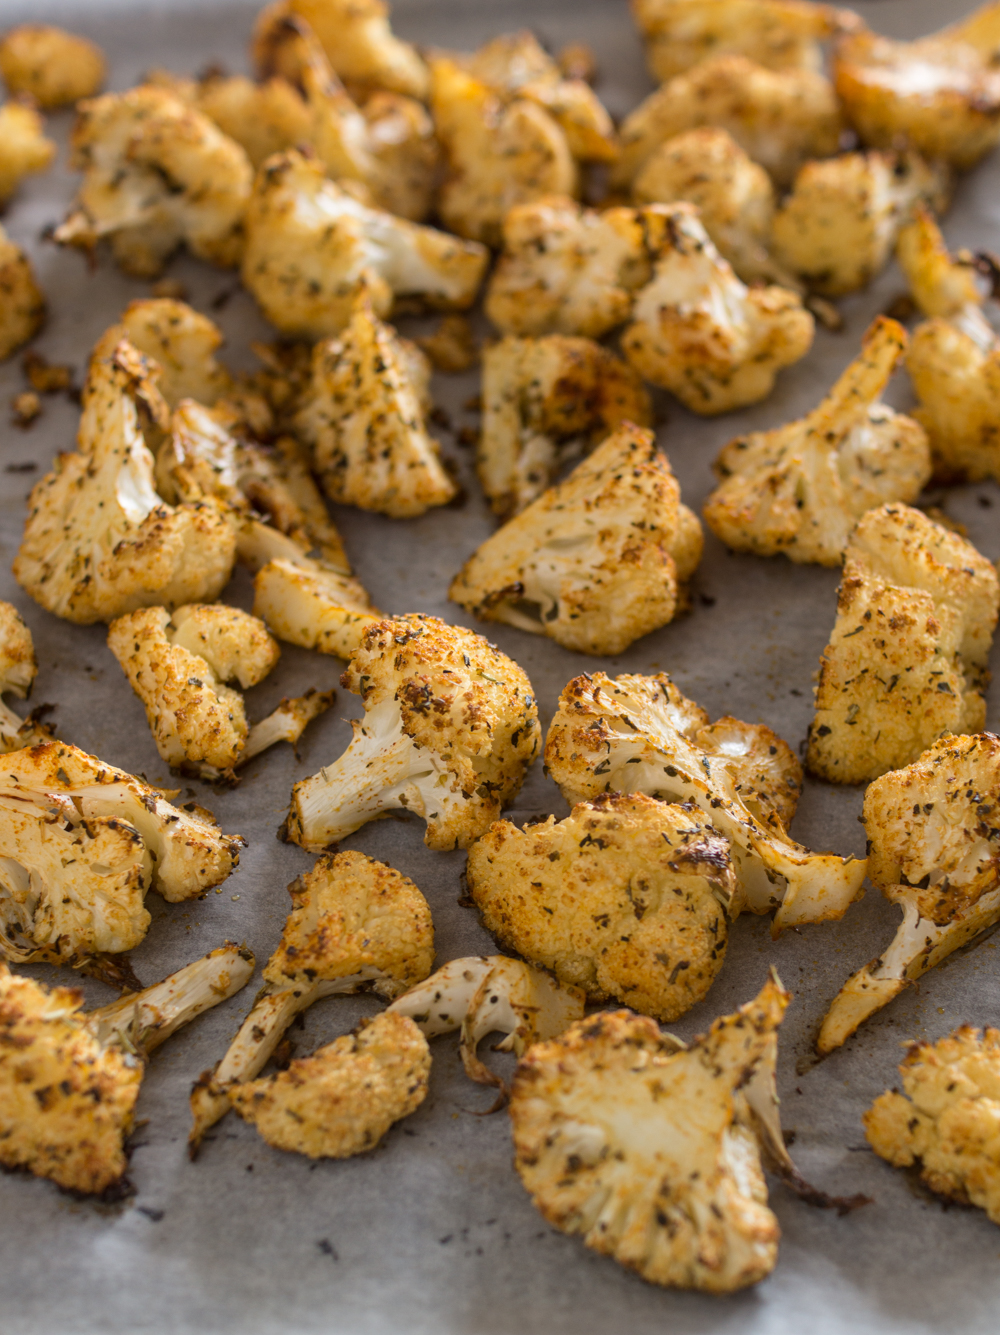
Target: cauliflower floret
<point>23,147</point>
<point>634,734</point>
<point>69,1081</point>
<point>307,603</point>
<point>312,247</point>
<point>954,358</point>
<point>157,174</point>
<point>358,41</point>
<point>18,667</point>
<point>597,561</point>
<point>542,400</point>
<point>50,65</point>
<point>80,845</point>
<point>940,94</point>
<point>22,302</point>
<point>837,228</point>
<point>780,117</point>
<point>489,993</point>
<point>499,153</point>
<point>946,1118</point>
<point>363,422</point>
<point>801,488</point>
<point>626,898</point>
<point>779,34</point>
<point>182,342</point>
<point>934,849</point>
<point>449,731</point>
<point>907,658</point>
<point>99,541</point>
<point>355,923</point>
<point>701,333</point>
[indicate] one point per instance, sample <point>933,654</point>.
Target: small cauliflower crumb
<point>50,65</point>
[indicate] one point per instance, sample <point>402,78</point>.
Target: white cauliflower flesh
<point>933,848</point>
<point>626,898</point>
<point>363,422</point>
<point>954,357</point>
<point>69,1081</point>
<point>354,924</point>
<point>838,227</point>
<point>779,34</point>
<point>801,488</point>
<point>24,149</point>
<point>18,667</point>
<point>782,118</point>
<point>906,662</point>
<point>449,731</point>
<point>940,94</point>
<point>488,994</point>
<point>157,175</point>
<point>51,66</point>
<point>699,332</point>
<point>99,541</point>
<point>358,41</point>
<point>22,301</point>
<point>311,247</point>
<point>598,560</point>
<point>634,734</point>
<point>545,399</point>
<point>80,845</point>
<point>945,1119</point>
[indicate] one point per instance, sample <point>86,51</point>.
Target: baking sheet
<point>432,1232</point>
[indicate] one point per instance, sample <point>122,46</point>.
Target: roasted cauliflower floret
<point>50,65</point>
<point>779,34</point>
<point>363,421</point>
<point>934,849</point>
<point>22,302</point>
<point>157,174</point>
<point>626,898</point>
<point>940,94</point>
<point>182,342</point>
<point>18,667</point>
<point>345,1097</point>
<point>907,658</point>
<point>312,247</point>
<point>838,227</point>
<point>597,561</point>
<point>782,118</point>
<point>80,845</point>
<point>945,1120</point>
<point>544,399</point>
<point>355,923</point>
<point>954,359</point>
<point>358,41</point>
<point>449,731</point>
<point>801,488</point>
<point>489,993</point>
<point>701,333</point>
<point>99,541</point>
<point>634,734</point>
<point>24,149</point>
<point>69,1081</point>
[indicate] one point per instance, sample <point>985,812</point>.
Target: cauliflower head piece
<point>701,333</point>
<point>22,301</point>
<point>449,731</point>
<point>311,247</point>
<point>906,661</point>
<point>69,1081</point>
<point>940,94</point>
<point>633,734</point>
<point>51,66</point>
<point>626,898</point>
<point>24,149</point>
<point>945,1118</point>
<point>801,488</point>
<point>18,668</point>
<point>934,849</point>
<point>157,174</point>
<point>544,398</point>
<point>597,561</point>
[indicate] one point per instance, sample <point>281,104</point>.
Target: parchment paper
<point>432,1232</point>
